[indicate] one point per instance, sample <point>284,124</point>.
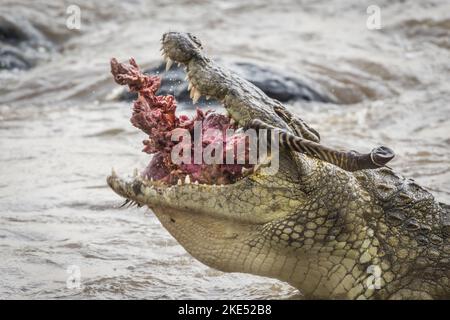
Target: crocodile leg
<point>347,160</point>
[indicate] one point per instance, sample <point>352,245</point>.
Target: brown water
<point>60,133</point>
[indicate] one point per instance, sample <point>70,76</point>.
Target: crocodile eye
<point>196,40</point>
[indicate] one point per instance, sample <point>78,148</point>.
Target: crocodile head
<point>328,232</point>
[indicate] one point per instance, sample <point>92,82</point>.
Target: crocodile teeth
<point>135,173</point>
<point>245,171</point>
<point>189,86</point>
<point>197,96</point>
<point>187,180</point>
<point>113,173</point>
<point>208,97</point>
<point>169,63</point>
<point>179,182</point>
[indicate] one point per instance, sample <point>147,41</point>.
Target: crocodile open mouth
<point>176,141</point>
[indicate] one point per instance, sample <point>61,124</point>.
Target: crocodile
<point>333,233</point>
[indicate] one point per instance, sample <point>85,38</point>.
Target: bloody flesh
<point>155,115</point>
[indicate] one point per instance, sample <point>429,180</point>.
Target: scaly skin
<point>320,228</point>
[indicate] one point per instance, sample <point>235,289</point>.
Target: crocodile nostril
<point>164,36</point>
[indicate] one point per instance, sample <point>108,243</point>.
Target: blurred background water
<point>61,131</point>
